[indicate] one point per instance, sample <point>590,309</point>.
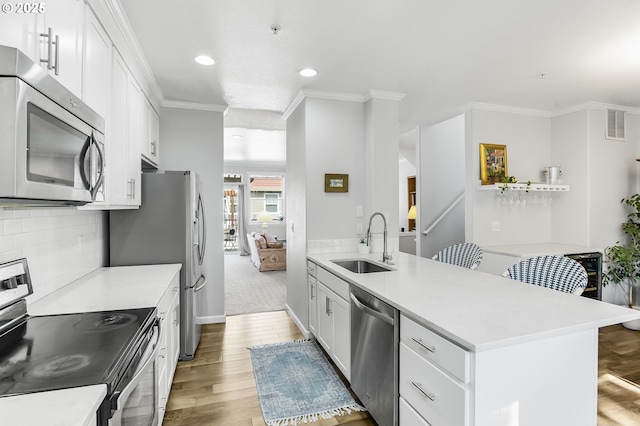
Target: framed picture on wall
<point>493,163</point>
<point>336,182</point>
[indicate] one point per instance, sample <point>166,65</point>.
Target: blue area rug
<point>296,384</point>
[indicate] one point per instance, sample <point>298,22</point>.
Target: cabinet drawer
<point>335,284</point>
<point>437,349</point>
<point>409,416</point>
<point>311,268</point>
<point>437,397</point>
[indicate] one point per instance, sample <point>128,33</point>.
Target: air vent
<point>615,124</point>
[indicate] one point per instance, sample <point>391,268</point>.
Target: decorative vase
<point>363,248</point>
<point>633,324</point>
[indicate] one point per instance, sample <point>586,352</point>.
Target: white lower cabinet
<point>167,359</point>
<point>409,416</point>
<point>331,313</point>
<point>434,378</point>
<point>312,295</point>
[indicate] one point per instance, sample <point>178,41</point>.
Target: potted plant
<point>623,259</point>
<point>363,248</point>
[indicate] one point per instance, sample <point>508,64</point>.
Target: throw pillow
<point>274,245</point>
<point>261,243</point>
<point>270,238</point>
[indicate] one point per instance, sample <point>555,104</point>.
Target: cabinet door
<point>96,64</point>
<point>325,318</point>
<point>151,138</point>
<point>134,94</point>
<point>313,306</point>
<point>22,31</point>
<point>65,18</point>
<point>154,133</point>
<point>117,136</point>
<point>342,335</point>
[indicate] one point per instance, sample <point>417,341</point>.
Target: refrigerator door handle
<point>197,287</point>
<point>202,238</point>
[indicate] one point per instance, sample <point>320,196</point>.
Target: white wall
<point>442,180</point>
<point>60,244</point>
<point>334,140</point>
<point>381,149</point>
<point>193,140</point>
<point>528,141</point>
<point>295,207</point>
<point>570,149</point>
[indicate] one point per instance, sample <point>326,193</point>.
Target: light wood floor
<point>217,387</point>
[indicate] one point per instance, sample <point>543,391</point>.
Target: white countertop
<point>123,287</point>
<point>67,407</point>
<point>538,249</point>
<point>477,310</point>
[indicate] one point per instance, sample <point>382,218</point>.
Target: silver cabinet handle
<point>420,342</point>
<point>309,269</point>
<point>431,396</point>
<point>56,66</point>
<point>313,291</point>
<point>50,55</point>
<point>133,188</point>
<point>153,148</point>
<point>327,305</point>
<point>49,36</point>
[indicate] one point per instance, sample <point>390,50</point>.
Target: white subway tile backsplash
<point>349,245</point>
<point>60,244</point>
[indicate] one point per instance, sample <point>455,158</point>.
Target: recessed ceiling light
<point>236,136</point>
<point>205,60</point>
<point>308,72</point>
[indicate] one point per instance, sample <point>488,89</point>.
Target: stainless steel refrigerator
<point>169,227</point>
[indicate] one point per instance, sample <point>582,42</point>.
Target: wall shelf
<point>534,187</point>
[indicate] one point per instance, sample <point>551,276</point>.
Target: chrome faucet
<point>386,257</point>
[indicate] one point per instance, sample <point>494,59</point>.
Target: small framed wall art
<point>336,182</point>
<point>493,163</point>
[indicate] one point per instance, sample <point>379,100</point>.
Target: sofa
<point>267,253</point>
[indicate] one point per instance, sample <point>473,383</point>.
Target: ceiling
<point>541,54</point>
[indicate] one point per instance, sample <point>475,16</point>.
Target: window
<point>267,198</point>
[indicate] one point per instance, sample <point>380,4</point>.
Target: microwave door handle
<point>82,159</point>
<point>153,348</point>
<point>100,173</point>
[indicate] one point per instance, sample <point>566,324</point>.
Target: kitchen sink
<point>361,266</point>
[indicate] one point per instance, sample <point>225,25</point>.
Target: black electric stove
<point>44,353</point>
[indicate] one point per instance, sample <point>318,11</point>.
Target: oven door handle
<point>149,357</point>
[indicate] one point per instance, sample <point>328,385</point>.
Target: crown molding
<point>121,20</point>
<point>381,94</point>
<point>292,107</point>
<point>504,108</point>
<point>194,105</point>
<point>547,114</point>
<point>598,106</point>
<point>340,96</point>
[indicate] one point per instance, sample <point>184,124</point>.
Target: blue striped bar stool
<point>555,272</point>
<point>466,255</point>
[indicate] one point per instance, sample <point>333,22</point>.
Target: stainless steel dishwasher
<point>374,356</point>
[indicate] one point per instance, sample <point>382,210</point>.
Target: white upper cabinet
<point>151,137</point>
<point>123,136</point>
<point>95,64</point>
<point>135,110</point>
<point>50,34</point>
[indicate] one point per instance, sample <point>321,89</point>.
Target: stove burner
<point>55,367</point>
<point>105,321</point>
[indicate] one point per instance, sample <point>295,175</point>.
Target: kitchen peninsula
<point>518,350</point>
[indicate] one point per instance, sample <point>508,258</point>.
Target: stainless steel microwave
<point>51,143</point>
